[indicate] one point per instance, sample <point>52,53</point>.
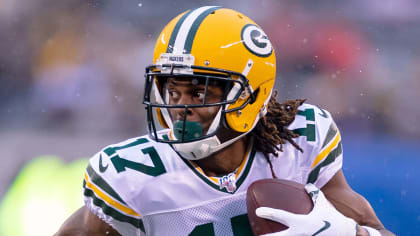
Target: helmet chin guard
<point>203,148</point>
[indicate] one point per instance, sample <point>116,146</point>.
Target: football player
<point>215,127</point>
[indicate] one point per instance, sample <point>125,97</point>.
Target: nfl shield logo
<point>228,182</point>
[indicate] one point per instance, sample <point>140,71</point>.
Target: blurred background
<point>71,81</point>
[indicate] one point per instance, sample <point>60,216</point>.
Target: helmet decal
<point>185,29</point>
<point>256,41</point>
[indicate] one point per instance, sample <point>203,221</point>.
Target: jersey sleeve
<point>117,176</point>
<point>103,197</point>
<point>320,140</point>
<point>329,152</point>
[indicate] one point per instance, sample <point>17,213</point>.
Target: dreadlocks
<point>271,131</point>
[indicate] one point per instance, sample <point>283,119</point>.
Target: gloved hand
<point>324,219</point>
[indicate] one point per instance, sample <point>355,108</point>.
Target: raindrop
<point>119,98</point>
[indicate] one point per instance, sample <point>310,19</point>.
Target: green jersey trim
<point>110,211</point>
<point>101,183</point>
<point>242,176</point>
<point>332,131</point>
<point>313,175</point>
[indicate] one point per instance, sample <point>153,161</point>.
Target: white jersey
<point>141,187</point>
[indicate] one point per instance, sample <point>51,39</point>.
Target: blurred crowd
<point>76,67</point>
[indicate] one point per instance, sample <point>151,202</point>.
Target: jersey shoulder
<point>116,174</point>
<point>320,140</point>
<point>311,123</point>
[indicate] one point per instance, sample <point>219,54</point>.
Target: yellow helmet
<point>221,43</point>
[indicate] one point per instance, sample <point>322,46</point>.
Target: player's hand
<point>324,219</point>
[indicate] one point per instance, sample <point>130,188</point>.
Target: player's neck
<point>225,161</point>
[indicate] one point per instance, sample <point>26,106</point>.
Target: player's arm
<point>352,205</point>
<point>83,223</point>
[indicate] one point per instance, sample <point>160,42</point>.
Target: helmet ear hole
<point>254,96</point>
<point>248,116</point>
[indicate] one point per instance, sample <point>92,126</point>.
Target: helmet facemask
<point>161,107</point>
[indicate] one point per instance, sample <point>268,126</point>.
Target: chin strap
<point>203,148</point>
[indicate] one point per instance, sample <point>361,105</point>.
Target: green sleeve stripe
<point>110,211</point>
<point>332,131</point>
<point>101,183</point>
<point>111,150</point>
<point>313,176</point>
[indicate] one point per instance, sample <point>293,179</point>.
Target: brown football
<point>275,193</point>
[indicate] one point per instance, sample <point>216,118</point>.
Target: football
<point>275,193</point>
